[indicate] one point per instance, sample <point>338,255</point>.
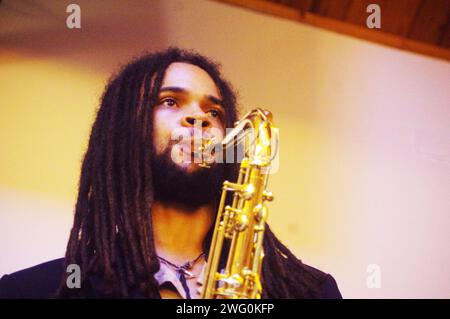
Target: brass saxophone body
<point>241,225</point>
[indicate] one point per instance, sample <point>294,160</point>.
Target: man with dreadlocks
<point>143,223</point>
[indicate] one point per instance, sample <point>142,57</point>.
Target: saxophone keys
<point>268,196</point>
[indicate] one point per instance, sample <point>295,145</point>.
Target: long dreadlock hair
<point>112,234</point>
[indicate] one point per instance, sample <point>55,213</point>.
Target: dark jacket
<point>42,281</point>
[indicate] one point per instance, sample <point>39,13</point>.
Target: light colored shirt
<point>167,274</point>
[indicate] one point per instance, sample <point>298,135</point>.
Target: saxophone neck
<point>261,137</point>
<point>255,130</point>
<point>256,119</point>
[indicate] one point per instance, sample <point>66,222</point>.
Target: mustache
<point>193,136</point>
<point>191,146</point>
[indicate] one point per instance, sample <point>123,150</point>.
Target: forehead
<point>191,78</point>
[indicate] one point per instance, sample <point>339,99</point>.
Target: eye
<point>169,102</point>
<point>214,113</point>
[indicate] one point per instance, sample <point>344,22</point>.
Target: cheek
<point>218,130</point>
<point>161,130</point>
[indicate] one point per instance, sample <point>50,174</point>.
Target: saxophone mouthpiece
<point>205,152</point>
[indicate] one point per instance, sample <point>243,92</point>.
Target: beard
<point>191,190</point>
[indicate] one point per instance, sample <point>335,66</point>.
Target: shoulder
<point>330,289</point>
<point>322,283</point>
<point>286,276</point>
<point>39,281</point>
<point>301,281</point>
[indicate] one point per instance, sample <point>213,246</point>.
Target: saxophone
<point>242,224</point>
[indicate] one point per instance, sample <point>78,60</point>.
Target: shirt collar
<point>167,274</point>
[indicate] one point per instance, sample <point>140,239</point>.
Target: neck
<point>178,232</point>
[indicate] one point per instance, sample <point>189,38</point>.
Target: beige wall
<point>364,172</point>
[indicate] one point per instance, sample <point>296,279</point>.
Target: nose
<point>189,120</point>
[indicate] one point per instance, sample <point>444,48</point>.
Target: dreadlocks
<point>112,235</point>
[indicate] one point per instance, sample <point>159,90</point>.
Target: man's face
<point>188,99</point>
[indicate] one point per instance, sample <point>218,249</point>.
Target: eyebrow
<point>177,89</point>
